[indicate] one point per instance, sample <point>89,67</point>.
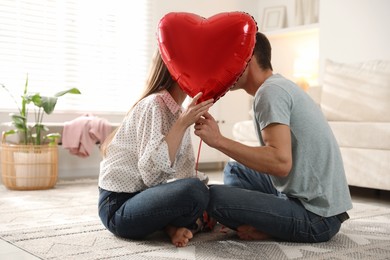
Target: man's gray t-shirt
<point>317,176</point>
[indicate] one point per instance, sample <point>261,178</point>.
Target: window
<point>101,47</point>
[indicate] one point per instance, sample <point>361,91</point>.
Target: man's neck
<point>265,75</point>
<point>259,79</point>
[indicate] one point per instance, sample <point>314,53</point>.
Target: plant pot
<point>29,167</point>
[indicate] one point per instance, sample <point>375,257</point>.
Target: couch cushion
<point>367,167</point>
<point>362,135</point>
<point>356,92</point>
<point>244,132</point>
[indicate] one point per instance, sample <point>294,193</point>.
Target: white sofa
<point>355,99</point>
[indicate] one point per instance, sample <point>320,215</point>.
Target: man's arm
<point>274,158</point>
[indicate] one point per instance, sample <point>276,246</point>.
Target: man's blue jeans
<point>249,198</point>
<point>136,215</point>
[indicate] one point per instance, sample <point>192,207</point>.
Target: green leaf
<point>36,99</point>
<point>53,135</point>
<point>17,117</point>
<point>41,127</point>
<point>48,104</point>
<point>70,91</point>
<point>19,121</point>
<point>53,138</point>
<point>10,132</point>
<point>23,111</point>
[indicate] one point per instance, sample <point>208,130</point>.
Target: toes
<point>182,243</point>
<point>188,234</point>
<point>181,237</point>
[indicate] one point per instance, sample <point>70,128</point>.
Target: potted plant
<point>32,163</point>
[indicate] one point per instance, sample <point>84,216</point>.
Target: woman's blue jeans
<point>136,215</point>
<point>249,198</point>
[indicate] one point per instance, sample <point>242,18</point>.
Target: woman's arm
<point>193,112</point>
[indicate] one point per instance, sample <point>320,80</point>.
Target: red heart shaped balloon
<point>206,55</point>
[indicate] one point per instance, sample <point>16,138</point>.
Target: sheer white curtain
<point>101,47</point>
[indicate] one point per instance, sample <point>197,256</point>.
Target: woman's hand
<point>194,111</point>
<point>189,116</point>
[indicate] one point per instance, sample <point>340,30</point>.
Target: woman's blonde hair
<point>159,78</point>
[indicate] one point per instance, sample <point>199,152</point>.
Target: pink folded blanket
<point>81,134</point>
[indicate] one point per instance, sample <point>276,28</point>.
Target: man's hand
<point>274,158</point>
<point>208,130</point>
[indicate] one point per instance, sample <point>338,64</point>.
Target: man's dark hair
<point>262,51</point>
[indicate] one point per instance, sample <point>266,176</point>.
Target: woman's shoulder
<point>153,100</point>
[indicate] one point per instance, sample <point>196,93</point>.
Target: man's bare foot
<point>246,232</point>
<point>180,236</point>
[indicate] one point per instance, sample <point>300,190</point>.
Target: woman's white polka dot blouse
<point>137,157</point>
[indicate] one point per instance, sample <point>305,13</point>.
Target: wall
<point>354,30</point>
<point>71,166</point>
<point>289,47</point>
<point>205,8</point>
<point>350,30</point>
<point>292,42</point>
<point>288,4</point>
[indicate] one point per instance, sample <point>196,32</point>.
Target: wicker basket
<point>29,167</point>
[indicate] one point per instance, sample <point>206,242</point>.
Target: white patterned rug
<point>62,223</point>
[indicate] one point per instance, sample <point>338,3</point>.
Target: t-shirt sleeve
<point>272,105</point>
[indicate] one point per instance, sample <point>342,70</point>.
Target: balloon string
<point>197,158</point>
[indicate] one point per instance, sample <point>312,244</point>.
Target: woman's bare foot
<point>180,236</point>
<point>246,232</point>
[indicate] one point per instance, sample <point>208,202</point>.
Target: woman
<point>151,147</point>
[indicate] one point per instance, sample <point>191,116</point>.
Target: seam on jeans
<point>158,212</point>
<point>315,237</point>
<point>257,211</point>
<point>104,202</point>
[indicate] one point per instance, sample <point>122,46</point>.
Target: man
<point>293,186</point>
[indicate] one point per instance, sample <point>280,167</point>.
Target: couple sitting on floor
<point>290,187</point>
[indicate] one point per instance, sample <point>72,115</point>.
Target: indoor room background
<point>110,71</point>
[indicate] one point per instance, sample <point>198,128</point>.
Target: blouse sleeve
<point>154,163</point>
